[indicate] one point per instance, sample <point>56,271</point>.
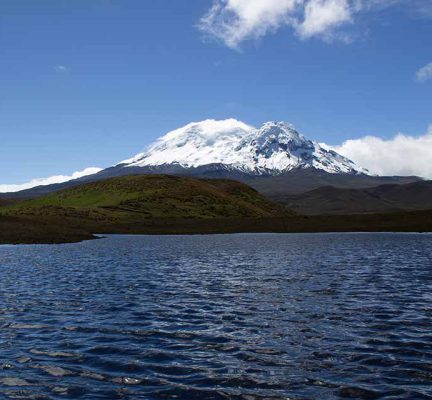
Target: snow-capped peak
<point>198,143</point>
<point>274,148</point>
<point>209,129</point>
<point>276,132</point>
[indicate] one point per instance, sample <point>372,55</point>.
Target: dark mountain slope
<point>301,181</point>
<point>383,198</point>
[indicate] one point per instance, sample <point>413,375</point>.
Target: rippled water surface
<point>324,316</point>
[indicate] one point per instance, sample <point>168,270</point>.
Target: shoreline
<point>43,230</point>
<point>108,235</point>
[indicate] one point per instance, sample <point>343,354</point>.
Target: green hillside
<point>151,196</point>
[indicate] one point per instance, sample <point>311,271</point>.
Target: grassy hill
<point>151,196</point>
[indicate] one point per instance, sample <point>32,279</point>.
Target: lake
<point>263,316</point>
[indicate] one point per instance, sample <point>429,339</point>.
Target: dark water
<point>328,316</point>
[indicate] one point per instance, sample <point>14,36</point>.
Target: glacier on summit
<point>273,149</point>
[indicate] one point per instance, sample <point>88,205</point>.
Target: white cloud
<point>61,68</point>
<point>48,181</point>
<point>234,21</point>
<point>400,155</point>
<point>424,73</point>
<point>322,16</point>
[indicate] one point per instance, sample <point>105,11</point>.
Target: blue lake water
<point>268,316</point>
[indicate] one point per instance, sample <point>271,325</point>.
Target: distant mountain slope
<point>301,181</point>
<point>384,198</point>
<point>152,196</point>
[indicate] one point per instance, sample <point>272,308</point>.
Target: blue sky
<point>92,82</point>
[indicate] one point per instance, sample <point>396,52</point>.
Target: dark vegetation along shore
<point>163,204</point>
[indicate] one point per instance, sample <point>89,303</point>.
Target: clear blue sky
<point>91,82</point>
